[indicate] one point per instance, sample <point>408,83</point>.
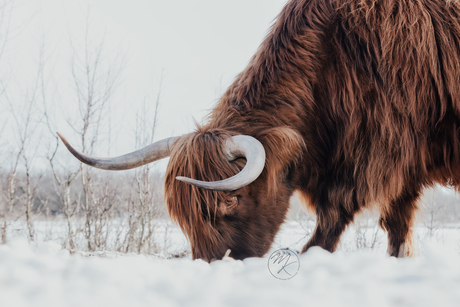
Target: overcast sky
<point>198,46</point>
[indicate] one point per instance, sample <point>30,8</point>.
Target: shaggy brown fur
<point>356,103</point>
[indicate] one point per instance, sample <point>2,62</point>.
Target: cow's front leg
<point>327,236</point>
<point>332,219</point>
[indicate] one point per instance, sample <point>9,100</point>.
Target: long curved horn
<point>148,154</point>
<point>238,146</point>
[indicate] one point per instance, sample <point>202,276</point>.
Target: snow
<point>43,274</point>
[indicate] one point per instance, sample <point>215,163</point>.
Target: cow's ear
<point>283,147</point>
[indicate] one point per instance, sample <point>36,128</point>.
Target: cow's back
<point>389,88</point>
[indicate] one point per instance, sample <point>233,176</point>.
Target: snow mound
<point>44,275</point>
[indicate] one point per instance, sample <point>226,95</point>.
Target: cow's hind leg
<point>397,219</point>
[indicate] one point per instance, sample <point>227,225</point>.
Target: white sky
<point>199,45</point>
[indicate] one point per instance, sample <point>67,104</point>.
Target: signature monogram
<point>283,263</point>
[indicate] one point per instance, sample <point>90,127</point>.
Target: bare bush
<point>95,76</point>
<point>432,210</point>
<point>143,198</point>
<point>366,233</point>
<point>9,199</point>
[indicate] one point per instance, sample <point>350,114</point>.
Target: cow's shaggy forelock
<point>198,156</point>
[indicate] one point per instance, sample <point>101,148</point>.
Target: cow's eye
<point>231,201</point>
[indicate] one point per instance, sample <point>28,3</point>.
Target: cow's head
<point>224,190</point>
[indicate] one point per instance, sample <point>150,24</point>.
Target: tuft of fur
<point>199,156</point>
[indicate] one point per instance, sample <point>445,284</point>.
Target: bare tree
<point>64,177</point>
<point>62,186</point>
<point>9,196</point>
<point>432,211</point>
<point>143,204</point>
<point>362,229</point>
<point>95,76</point>
<point>10,179</point>
<point>27,134</point>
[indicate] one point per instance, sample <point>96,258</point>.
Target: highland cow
<point>353,103</point>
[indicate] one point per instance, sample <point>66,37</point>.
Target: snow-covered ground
<point>42,274</point>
